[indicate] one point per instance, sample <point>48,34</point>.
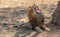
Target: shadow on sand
<point>17,13</point>
<point>11,15</point>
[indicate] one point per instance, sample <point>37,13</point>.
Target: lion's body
<point>35,19</point>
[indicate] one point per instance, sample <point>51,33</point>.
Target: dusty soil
<point>12,12</point>
<point>12,20</point>
<point>27,32</point>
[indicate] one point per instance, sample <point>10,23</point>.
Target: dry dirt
<point>12,12</point>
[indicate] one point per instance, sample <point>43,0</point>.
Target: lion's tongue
<point>37,10</point>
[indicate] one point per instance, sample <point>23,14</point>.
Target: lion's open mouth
<point>36,9</point>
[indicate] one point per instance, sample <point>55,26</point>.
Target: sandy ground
<point>27,32</point>
<point>10,12</point>
<point>25,3</point>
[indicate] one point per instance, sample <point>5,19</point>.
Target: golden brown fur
<point>36,20</point>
